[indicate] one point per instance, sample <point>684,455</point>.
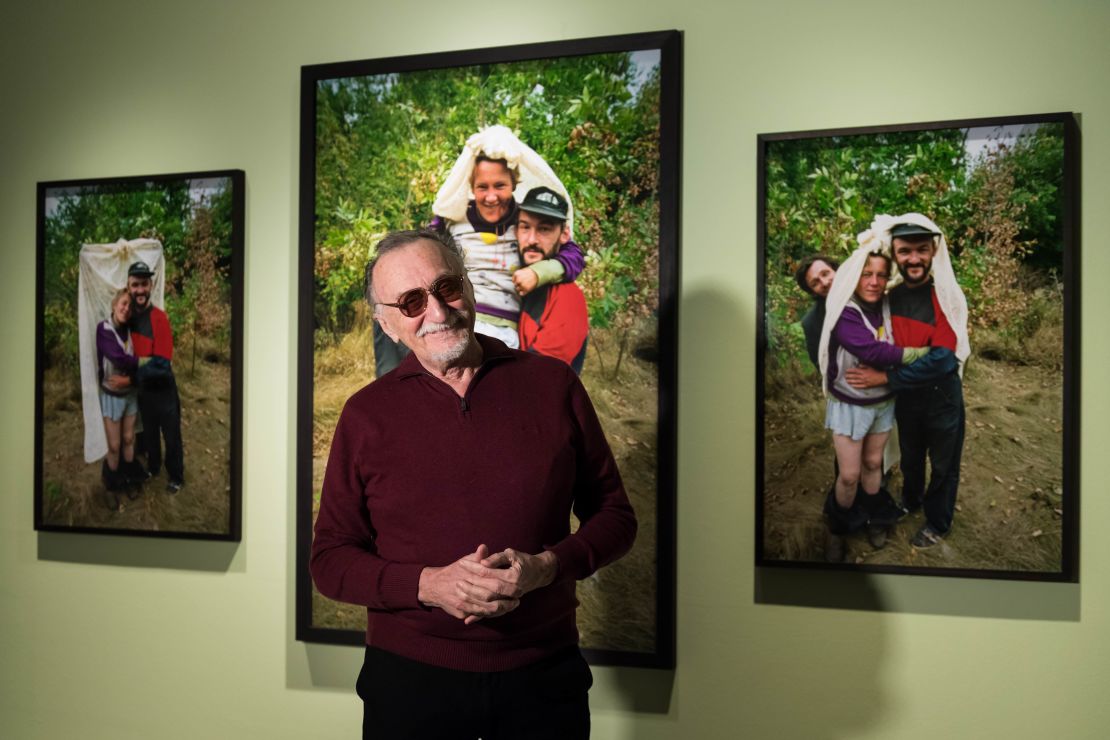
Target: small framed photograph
<point>599,117</point>
<point>918,380</point>
<point>139,356</point>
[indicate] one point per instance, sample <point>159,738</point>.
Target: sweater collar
<point>492,350</point>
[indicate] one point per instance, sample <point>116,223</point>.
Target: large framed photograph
<point>139,356</point>
<point>918,353</point>
<point>379,140</point>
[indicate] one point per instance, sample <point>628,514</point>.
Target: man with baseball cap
<point>159,404</point>
<point>927,308</point>
<point>553,318</point>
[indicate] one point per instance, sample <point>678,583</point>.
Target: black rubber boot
<point>844,521</point>
<point>880,507</point>
<point>110,478</point>
<point>134,474</point>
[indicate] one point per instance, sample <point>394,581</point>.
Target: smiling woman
<point>860,419</point>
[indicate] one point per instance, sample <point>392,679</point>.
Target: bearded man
<point>928,309</point>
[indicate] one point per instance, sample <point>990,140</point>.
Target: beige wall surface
<point>105,637</point>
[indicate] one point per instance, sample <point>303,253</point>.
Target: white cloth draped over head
<point>877,239</point>
<point>496,142</point>
<point>842,290</point>
<point>103,271</point>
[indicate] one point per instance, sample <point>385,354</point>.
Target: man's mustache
<point>455,320</point>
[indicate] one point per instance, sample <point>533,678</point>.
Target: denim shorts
<point>117,407</point>
<point>857,422</point>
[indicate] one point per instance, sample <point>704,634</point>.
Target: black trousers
<point>160,409</point>
<point>931,422</point>
<point>403,698</point>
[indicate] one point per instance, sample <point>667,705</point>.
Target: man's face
<point>493,190</point>
<point>139,288</point>
<point>914,256</point>
<point>538,238</point>
<point>819,278</point>
<point>441,334</point>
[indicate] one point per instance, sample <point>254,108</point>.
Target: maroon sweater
<point>420,477</point>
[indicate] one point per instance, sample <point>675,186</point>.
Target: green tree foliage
<point>194,227</point>
<point>1037,162</point>
<point>386,143</point>
<point>1000,210</point>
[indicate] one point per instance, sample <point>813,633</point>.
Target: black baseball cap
<point>908,230</point>
<point>544,201</point>
<point>139,269</point>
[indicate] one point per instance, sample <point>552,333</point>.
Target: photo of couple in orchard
<point>136,356</point>
<point>545,176</point>
<point>914,359</point>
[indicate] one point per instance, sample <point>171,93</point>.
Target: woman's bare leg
<point>127,438</point>
<point>871,475</point>
<point>112,431</point>
<point>849,459</point>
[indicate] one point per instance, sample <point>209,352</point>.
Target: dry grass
<point>73,492</point>
<point>1010,500</point>
<point>617,610</point>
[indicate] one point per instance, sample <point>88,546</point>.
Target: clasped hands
<point>481,585</point>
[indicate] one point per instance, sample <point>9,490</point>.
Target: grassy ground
<point>1009,509</point>
<point>617,609</point>
<point>72,489</point>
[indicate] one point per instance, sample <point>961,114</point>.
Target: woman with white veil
<point>477,206</point>
<point>857,331</point>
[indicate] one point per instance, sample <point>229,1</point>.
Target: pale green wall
<point>197,640</point>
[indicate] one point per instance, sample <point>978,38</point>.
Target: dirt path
<point>1008,515</point>
<point>73,492</point>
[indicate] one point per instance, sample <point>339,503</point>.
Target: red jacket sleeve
<point>163,335</point>
<point>943,335</point>
<point>565,325</point>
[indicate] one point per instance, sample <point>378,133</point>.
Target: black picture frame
<point>1007,512</point>
<point>659,650</point>
<point>199,218</point>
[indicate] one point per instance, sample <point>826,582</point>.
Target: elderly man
<point>815,276</point>
<point>928,309</point>
<point>553,318</point>
<point>446,509</point>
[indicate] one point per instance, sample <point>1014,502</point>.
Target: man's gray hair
<point>399,239</point>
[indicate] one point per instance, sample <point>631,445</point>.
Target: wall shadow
<point>137,552</point>
<point>938,595</point>
<point>717,452</point>
<point>641,690</point>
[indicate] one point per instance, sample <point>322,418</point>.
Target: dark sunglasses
<point>446,288</point>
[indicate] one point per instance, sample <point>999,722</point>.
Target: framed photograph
<point>138,384</point>
<point>379,139</point>
<point>918,379</point>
